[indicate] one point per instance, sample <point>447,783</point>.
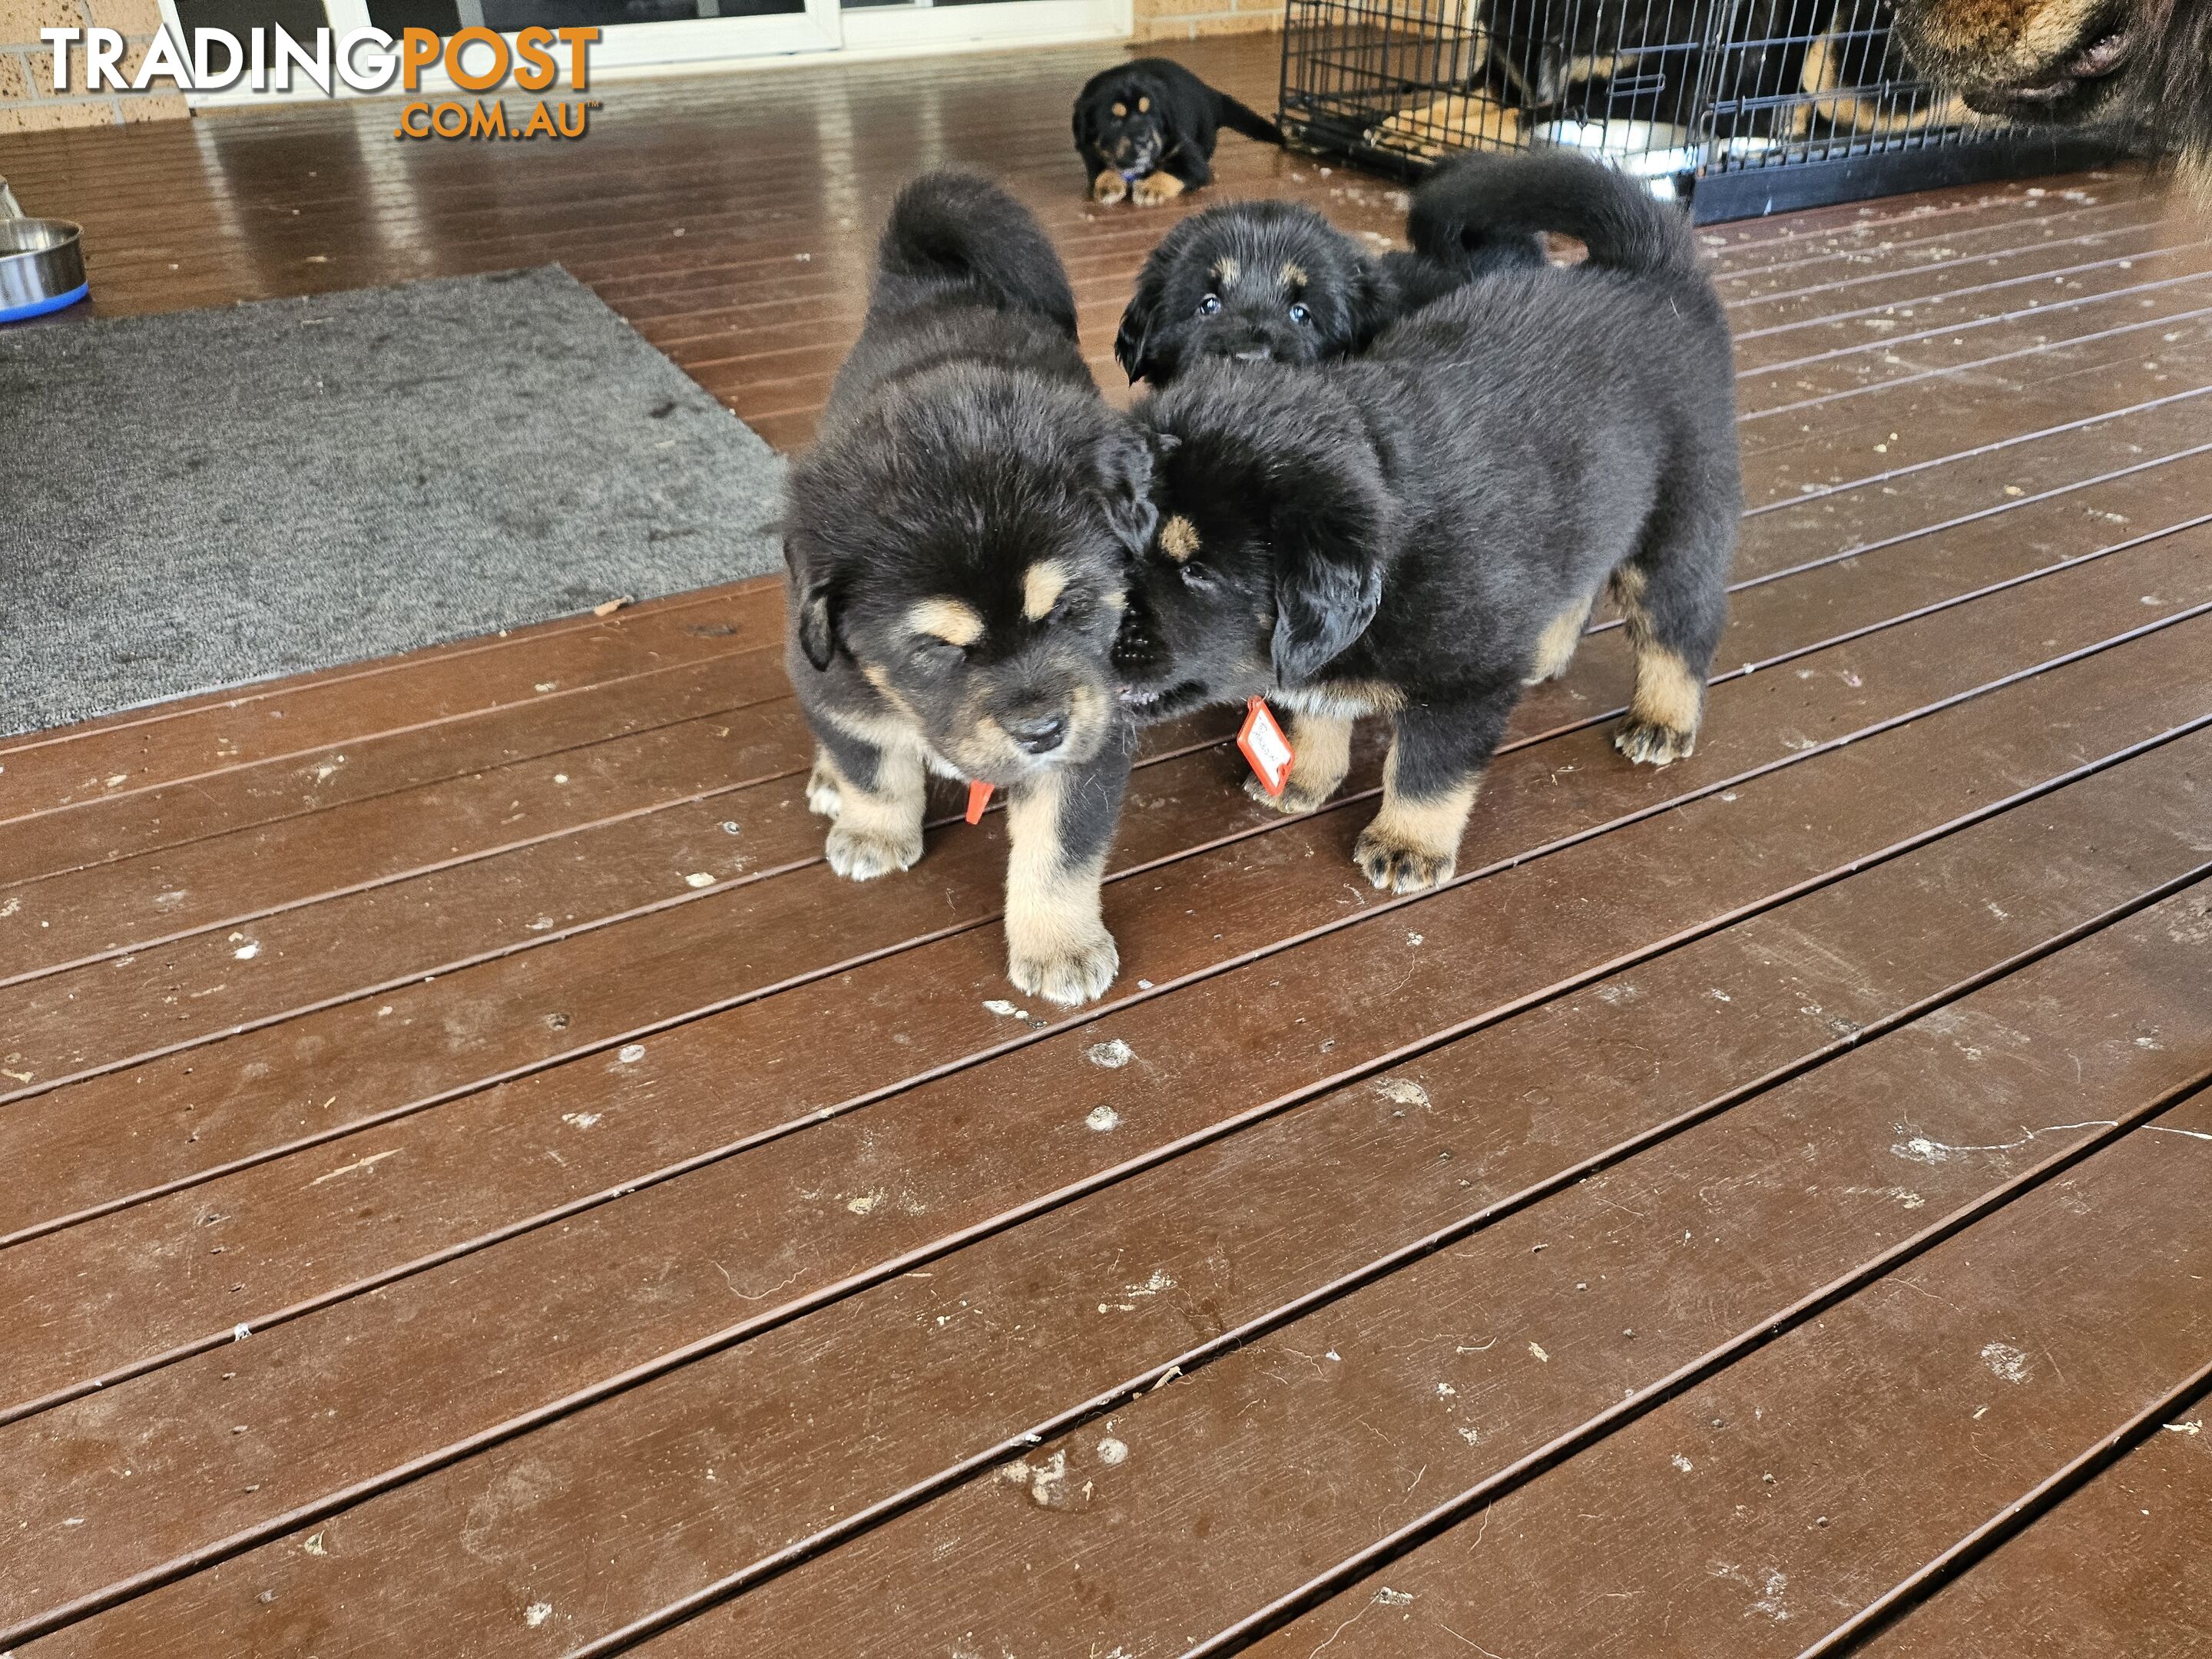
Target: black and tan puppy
<point>1146,130</point>
<point>1422,532</point>
<point>2075,61</point>
<point>958,541</point>
<point>1274,282</point>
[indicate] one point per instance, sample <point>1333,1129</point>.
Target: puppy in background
<point>958,541</point>
<point>1422,532</point>
<point>1146,130</point>
<point>1274,282</point>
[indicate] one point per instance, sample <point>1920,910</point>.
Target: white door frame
<point>640,51</point>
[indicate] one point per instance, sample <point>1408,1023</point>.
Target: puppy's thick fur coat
<point>958,541</point>
<point>1146,130</point>
<point>1275,282</point>
<point>1423,531</point>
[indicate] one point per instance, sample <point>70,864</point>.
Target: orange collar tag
<point>1265,746</point>
<point>979,797</point>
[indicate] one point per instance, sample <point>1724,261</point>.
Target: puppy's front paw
<point>1072,971</point>
<point>1652,744</point>
<point>1156,189</point>
<point>860,854</point>
<point>1398,866</point>
<point>823,797</point>
<point>1295,797</point>
<point>1109,187</point>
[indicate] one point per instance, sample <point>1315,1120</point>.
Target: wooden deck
<point>1759,1209</point>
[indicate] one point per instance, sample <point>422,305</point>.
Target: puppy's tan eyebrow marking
<point>1120,111</point>
<point>1179,539</point>
<point>1225,271</point>
<point>950,620</point>
<point>1041,586</point>
<point>1144,106</point>
<point>1294,274</point>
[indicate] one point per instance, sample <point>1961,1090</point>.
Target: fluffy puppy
<point>958,541</point>
<point>1146,130</point>
<point>1274,282</point>
<point>2070,63</point>
<point>1422,532</point>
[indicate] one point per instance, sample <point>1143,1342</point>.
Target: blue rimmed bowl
<point>41,267</point>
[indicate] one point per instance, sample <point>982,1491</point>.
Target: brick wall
<point>28,102</point>
<point>1186,19</point>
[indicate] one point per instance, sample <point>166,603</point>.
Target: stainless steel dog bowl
<point>41,267</point>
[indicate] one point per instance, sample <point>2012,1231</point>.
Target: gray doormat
<point>201,498</point>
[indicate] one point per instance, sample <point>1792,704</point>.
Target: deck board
<point>631,1262</point>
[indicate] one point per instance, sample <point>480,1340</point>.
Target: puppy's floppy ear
<point>820,611</point>
<point>1332,533</point>
<point>1136,345</point>
<point>1371,304</point>
<point>1086,120</point>
<point>1124,460</point>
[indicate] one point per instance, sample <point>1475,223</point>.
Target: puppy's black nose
<point>1040,736</point>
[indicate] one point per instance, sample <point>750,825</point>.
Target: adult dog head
<point>962,546</point>
<point>2070,62</point>
<point>1254,282</point>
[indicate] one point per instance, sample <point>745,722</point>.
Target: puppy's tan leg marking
<point>1413,844</point>
<point>1057,946</point>
<point>1663,711</point>
<point>1320,748</point>
<point>1662,727</point>
<point>874,831</point>
<point>1109,187</point>
<point>1157,189</point>
<point>1556,646</point>
<point>824,794</point>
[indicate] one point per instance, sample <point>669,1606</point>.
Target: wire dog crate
<point>1744,106</point>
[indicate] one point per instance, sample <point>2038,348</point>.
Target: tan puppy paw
<point>1156,189</point>
<point>859,852</point>
<point>1072,969</point>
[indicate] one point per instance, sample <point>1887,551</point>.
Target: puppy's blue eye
<point>1300,314</point>
<point>1209,305</point>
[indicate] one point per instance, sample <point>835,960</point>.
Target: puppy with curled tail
<point>958,541</point>
<point>1421,532</point>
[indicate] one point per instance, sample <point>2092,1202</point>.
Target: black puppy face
<point>1200,617</point>
<point>1124,125</point>
<point>1249,281</point>
<point>1268,562</point>
<point>972,568</point>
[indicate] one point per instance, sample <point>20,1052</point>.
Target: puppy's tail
<point>1488,197</point>
<point>959,228</point>
<point>1240,117</point>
